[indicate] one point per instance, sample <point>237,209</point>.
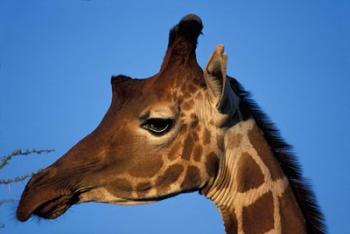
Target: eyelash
<point>158,126</point>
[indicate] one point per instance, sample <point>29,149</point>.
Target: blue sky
<point>57,57</point>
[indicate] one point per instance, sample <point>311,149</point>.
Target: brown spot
<point>264,151</point>
<point>188,105</point>
<point>187,95</point>
<point>191,88</point>
<point>192,178</point>
<point>169,177</point>
<point>197,153</point>
<point>194,121</point>
<point>147,167</point>
<point>174,152</point>
<point>195,136</point>
<point>206,136</point>
<point>120,188</point>
<point>258,217</point>
<point>249,175</point>
<point>183,129</point>
<point>230,220</point>
<point>143,188</point>
<point>188,146</point>
<point>212,164</point>
<point>220,142</point>
<point>292,220</point>
<point>235,141</point>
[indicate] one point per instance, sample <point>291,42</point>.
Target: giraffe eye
<point>158,126</point>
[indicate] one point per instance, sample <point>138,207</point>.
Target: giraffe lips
<point>54,208</point>
<point>45,208</point>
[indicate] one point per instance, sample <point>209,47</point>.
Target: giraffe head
<point>160,137</point>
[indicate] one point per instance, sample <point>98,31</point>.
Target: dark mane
<point>287,160</point>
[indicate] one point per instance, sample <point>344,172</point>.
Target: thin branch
<point>5,159</point>
<point>16,179</point>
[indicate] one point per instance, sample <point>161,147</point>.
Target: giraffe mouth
<point>50,208</point>
<point>55,207</point>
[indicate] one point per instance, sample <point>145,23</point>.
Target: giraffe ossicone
<point>181,130</point>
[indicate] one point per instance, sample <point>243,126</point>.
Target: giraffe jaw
<point>102,195</point>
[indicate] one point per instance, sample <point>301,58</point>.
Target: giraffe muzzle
<point>43,198</point>
<point>47,205</point>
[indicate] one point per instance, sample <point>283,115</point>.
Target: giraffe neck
<point>251,190</point>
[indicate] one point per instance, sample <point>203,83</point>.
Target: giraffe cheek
<point>143,188</point>
<point>170,176</point>
<point>188,147</point>
<point>147,166</point>
<point>174,151</point>
<point>192,179</point>
<point>120,188</point>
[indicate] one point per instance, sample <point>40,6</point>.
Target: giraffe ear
<point>218,84</point>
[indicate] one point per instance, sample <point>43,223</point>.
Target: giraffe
<point>181,130</point>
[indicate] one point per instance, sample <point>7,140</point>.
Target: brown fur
<point>258,217</point>
<point>147,168</point>
<point>174,152</point>
<point>188,147</point>
<point>206,136</point>
<point>197,153</point>
<point>220,142</point>
<point>195,136</point>
<point>192,178</point>
<point>230,220</point>
<point>195,121</point>
<point>212,164</point>
<point>265,153</point>
<point>249,175</point>
<point>169,177</point>
<point>290,214</point>
<point>235,141</point>
<point>120,187</point>
<point>143,188</point>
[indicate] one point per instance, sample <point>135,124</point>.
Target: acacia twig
<point>15,179</point>
<point>5,159</point>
